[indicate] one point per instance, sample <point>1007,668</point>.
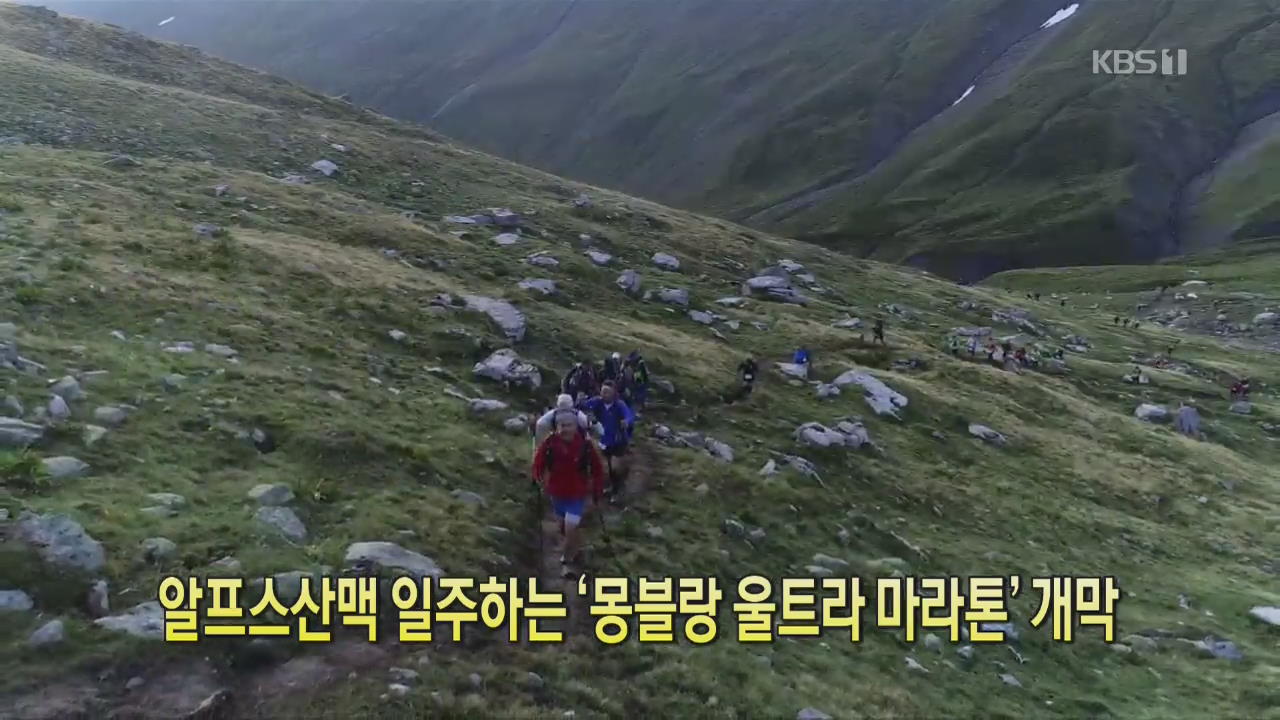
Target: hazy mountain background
<point>833,120</point>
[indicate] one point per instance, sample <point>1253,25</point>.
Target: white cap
<point>617,356</point>
<point>564,402</point>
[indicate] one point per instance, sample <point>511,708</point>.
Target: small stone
<point>158,548</point>
<point>933,642</point>
<point>110,415</point>
<point>223,351</point>
<point>654,532</point>
<point>398,335</point>
<point>172,500</point>
<point>535,681</point>
<point>1267,614</point>
<point>98,601</point>
<point>965,652</point>
<point>915,666</point>
<point>173,381</point>
<point>15,601</point>
<point>92,434</point>
<point>13,406</point>
<point>469,498</point>
<point>271,494</point>
<point>68,388</point>
<point>226,565</point>
<point>51,633</point>
<point>397,689</point>
<point>1010,680</point>
<point>283,521</point>
<point>476,681</point>
<point>1121,649</point>
<point>58,408</point>
<point>64,466</point>
<point>812,714</point>
<point>134,683</point>
<point>403,675</point>
<point>757,535</point>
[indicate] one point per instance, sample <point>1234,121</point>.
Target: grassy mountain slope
<point>831,120</point>
<point>374,447</point>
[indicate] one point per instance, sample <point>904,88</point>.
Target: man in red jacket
<point>568,467</point>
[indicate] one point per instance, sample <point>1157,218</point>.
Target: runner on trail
<point>612,367</point>
<point>747,371</point>
<point>617,423</point>
<point>954,343</point>
<point>546,424</point>
<point>568,468</point>
<point>973,347</point>
<point>1116,320</point>
<point>580,379</point>
<point>878,332</point>
<point>639,379</point>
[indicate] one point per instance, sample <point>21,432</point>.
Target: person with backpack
<point>568,468</point>
<point>546,424</point>
<point>617,422</point>
<point>639,380</point>
<point>801,356</point>
<point>611,368</point>
<point>877,332</point>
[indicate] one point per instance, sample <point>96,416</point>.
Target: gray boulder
<point>325,167</point>
<point>702,317</point>
<point>1188,421</point>
<point>271,494</point>
<point>733,301</point>
<point>50,633</point>
<point>15,601</point>
<point>1267,614</point>
<point>538,285</point>
<point>987,434</point>
<point>719,450</point>
<point>542,260</point>
<point>505,315</point>
<point>814,434</point>
<point>506,366</point>
<point>466,497</point>
<point>144,620</point>
<point>484,405</point>
<point>506,239</point>
<point>158,548</point>
<point>15,433</point>
<point>666,261</point>
<point>61,542</point>
<point>812,714</point>
<point>629,282</point>
<point>599,258</point>
<point>110,415</point>
<point>1241,407</point>
<point>796,370</point>
<point>1265,318</point>
<point>674,296</point>
<point>827,390</point>
<point>281,520</point>
<point>761,283</point>
<point>64,466</point>
<point>68,388</point>
<point>389,556</point>
<point>1151,413</point>
<point>883,399</point>
<point>58,408</point>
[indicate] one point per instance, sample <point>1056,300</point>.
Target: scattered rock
<point>987,434</point>
<point>733,302</point>
<point>51,633</point>
<point>110,415</point>
<point>1010,680</point>
<point>629,282</point>
<point>965,652</point>
<point>403,675</point>
<point>220,190</point>
<point>506,366</point>
<point>1151,413</point>
<point>15,601</point>
<point>57,408</point>
<point>914,665</point>
<point>848,323</point>
<point>325,167</point>
<point>1241,407</point>
<point>599,258</point>
<point>506,239</point>
<point>92,434</point>
<point>61,541</point>
<point>389,556</point>
<point>516,425</point>
<point>172,500</point>
<point>13,406</point>
<point>68,388</point>
<point>505,315</point>
<point>398,335</point>
<point>702,317</point>
<point>666,262</point>
<point>734,528</point>
<point>770,469</point>
<point>122,161</point>
<point>1267,614</point>
<point>831,563</point>
<point>846,434</point>
<point>674,296</point>
<point>538,285</point>
<point>542,260</point>
<point>812,714</point>
<point>205,231</point>
<point>466,497</point>
<point>719,450</point>
<point>158,548</point>
<point>882,399</point>
<point>15,433</point>
<point>144,620</point>
<point>222,351</point>
<point>282,520</point>
<point>271,494</point>
<point>800,371</point>
<point>1265,318</point>
<point>64,466</point>
<point>484,405</point>
<point>226,565</point>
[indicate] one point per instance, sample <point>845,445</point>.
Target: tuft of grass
<point>23,471</point>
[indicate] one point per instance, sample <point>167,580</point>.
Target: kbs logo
<point>1139,62</point>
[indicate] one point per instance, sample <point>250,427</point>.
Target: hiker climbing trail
<point>600,548</point>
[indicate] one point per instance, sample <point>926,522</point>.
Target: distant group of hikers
<point>1003,354</point>
<point>595,407</point>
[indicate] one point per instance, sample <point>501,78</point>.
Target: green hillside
<point>830,120</point>
<point>288,293</point>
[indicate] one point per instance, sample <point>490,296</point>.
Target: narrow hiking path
<point>599,546</point>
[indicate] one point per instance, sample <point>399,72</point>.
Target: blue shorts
<point>570,510</point>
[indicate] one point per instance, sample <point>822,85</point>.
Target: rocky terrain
<point>251,330</point>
